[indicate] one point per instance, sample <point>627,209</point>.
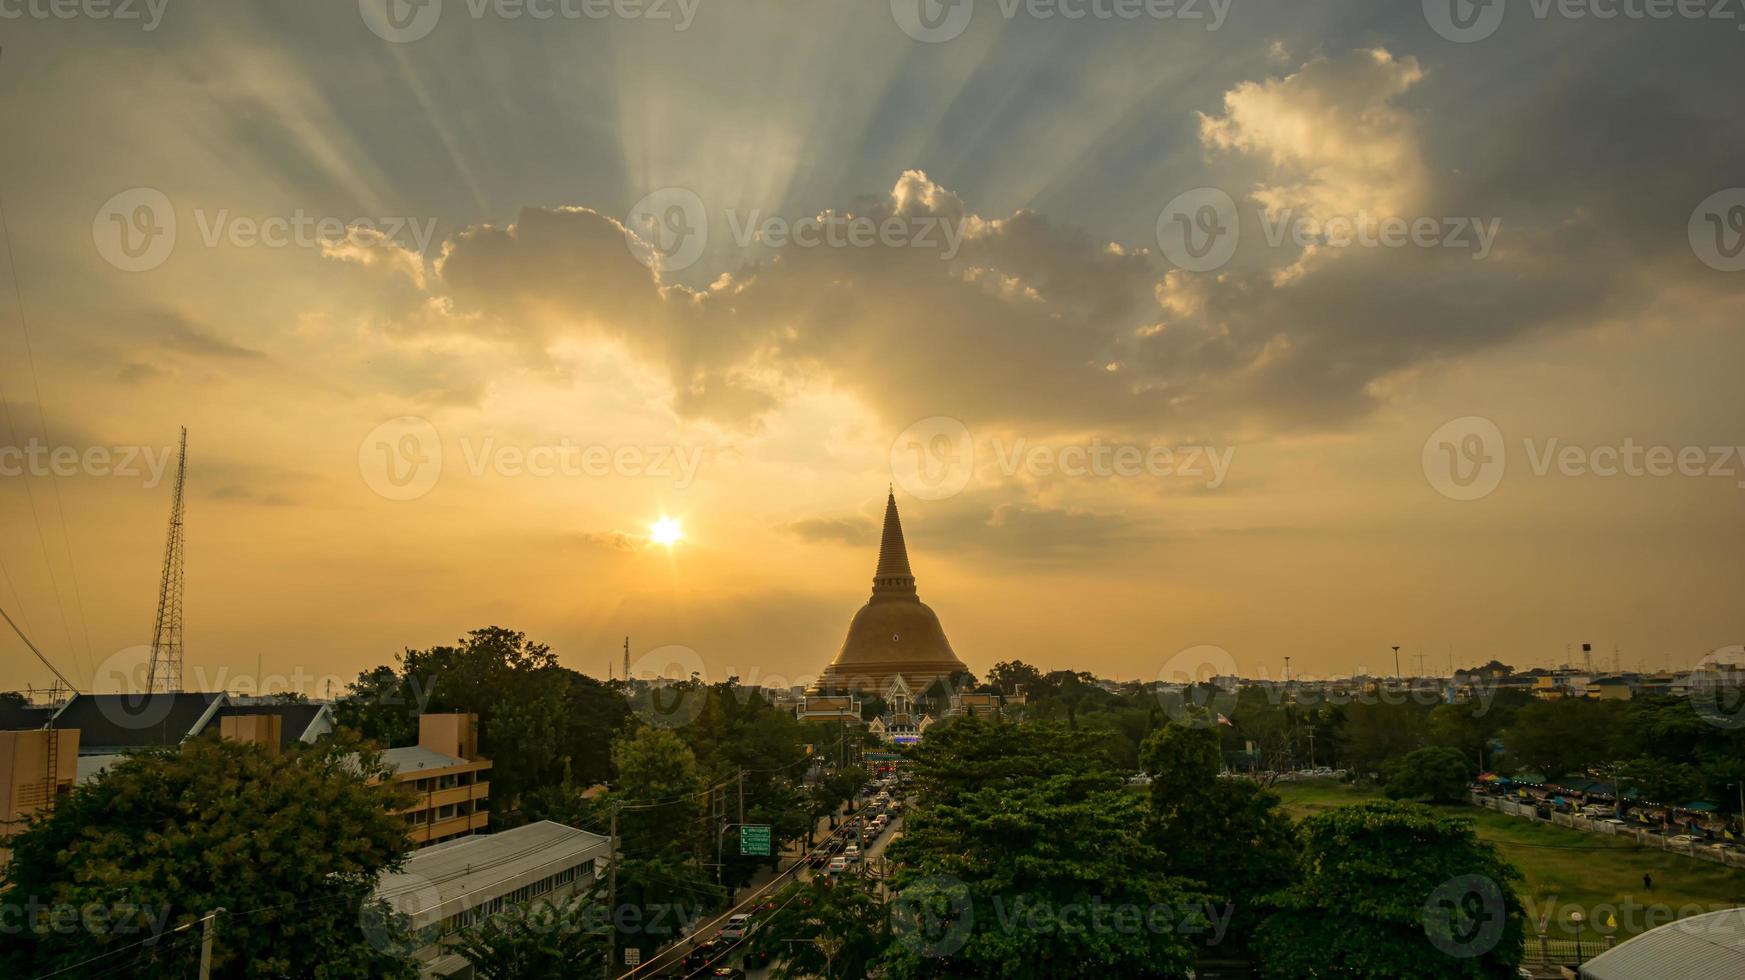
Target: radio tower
<point>627,658</point>
<point>166,640</point>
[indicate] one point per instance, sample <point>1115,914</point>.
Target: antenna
<point>627,658</point>
<point>166,642</point>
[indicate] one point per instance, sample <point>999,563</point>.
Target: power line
<point>39,656</point>
<point>5,409</point>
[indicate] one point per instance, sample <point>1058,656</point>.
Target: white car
<point>736,927</point>
<point>838,865</point>
<point>852,852</point>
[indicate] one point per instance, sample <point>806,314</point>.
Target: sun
<point>666,531</point>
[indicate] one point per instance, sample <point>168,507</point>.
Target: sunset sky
<point>763,394</point>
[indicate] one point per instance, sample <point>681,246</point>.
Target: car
<point>817,859</point>
<point>731,973</point>
<point>852,852</point>
<point>838,865</point>
<point>702,953</point>
<point>737,926</point>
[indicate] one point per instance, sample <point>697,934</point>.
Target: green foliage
<point>1435,774</point>
<point>290,846</point>
<point>1229,835</point>
<point>1394,890</point>
<point>1023,849</point>
<point>537,940</point>
<point>539,723</point>
<point>657,774</point>
<point>820,929</point>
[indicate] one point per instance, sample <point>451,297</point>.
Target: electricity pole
<point>210,927</point>
<point>612,895</point>
<point>1396,663</point>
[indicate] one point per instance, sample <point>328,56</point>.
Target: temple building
<point>895,636</point>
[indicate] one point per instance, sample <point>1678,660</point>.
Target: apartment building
<point>448,777</point>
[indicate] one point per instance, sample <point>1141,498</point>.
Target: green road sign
<point>754,840</point>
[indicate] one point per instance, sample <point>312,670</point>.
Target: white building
<point>448,886</point>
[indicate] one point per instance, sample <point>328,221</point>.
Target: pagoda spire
<point>893,577</point>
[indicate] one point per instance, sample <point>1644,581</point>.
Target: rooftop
<point>447,878</point>
<point>1701,947</point>
<point>412,758</point>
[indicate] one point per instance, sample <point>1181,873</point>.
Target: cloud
<point>1332,134</point>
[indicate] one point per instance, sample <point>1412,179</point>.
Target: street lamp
<point>1577,917</point>
<point>1396,662</point>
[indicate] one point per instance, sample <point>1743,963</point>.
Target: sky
<point>1273,329</point>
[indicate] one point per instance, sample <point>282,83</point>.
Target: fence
<point>1570,951</point>
<point>1646,838</point>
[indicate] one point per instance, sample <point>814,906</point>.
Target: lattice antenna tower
<point>166,642</point>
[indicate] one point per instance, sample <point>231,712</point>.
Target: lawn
<point>1565,870</point>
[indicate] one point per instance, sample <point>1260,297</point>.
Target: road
<point>667,963</point>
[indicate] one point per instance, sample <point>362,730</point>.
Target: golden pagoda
<point>895,633</point>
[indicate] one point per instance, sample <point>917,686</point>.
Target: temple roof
<point>893,576</point>
<point>895,634</point>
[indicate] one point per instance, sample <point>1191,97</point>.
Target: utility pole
<point>1287,670</point>
<point>209,930</point>
<point>1311,746</point>
<point>1396,662</point>
<point>612,896</point>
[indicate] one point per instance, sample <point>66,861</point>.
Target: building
<point>448,777</point>
<point>895,633</point>
<point>37,768</point>
<point>828,708</point>
<point>1701,947</point>
<point>451,885</point>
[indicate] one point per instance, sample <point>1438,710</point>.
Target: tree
<point>1226,834</point>
<point>818,929</point>
<point>1374,733</point>
<point>1023,842</point>
<point>381,706</point>
<point>657,773</point>
<point>1435,774</point>
<point>1560,738</point>
<point>537,940</point>
<point>289,845</point>
<point>1014,676</point>
<point>1393,890</point>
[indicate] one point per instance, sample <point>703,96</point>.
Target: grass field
<point>1567,870</point>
